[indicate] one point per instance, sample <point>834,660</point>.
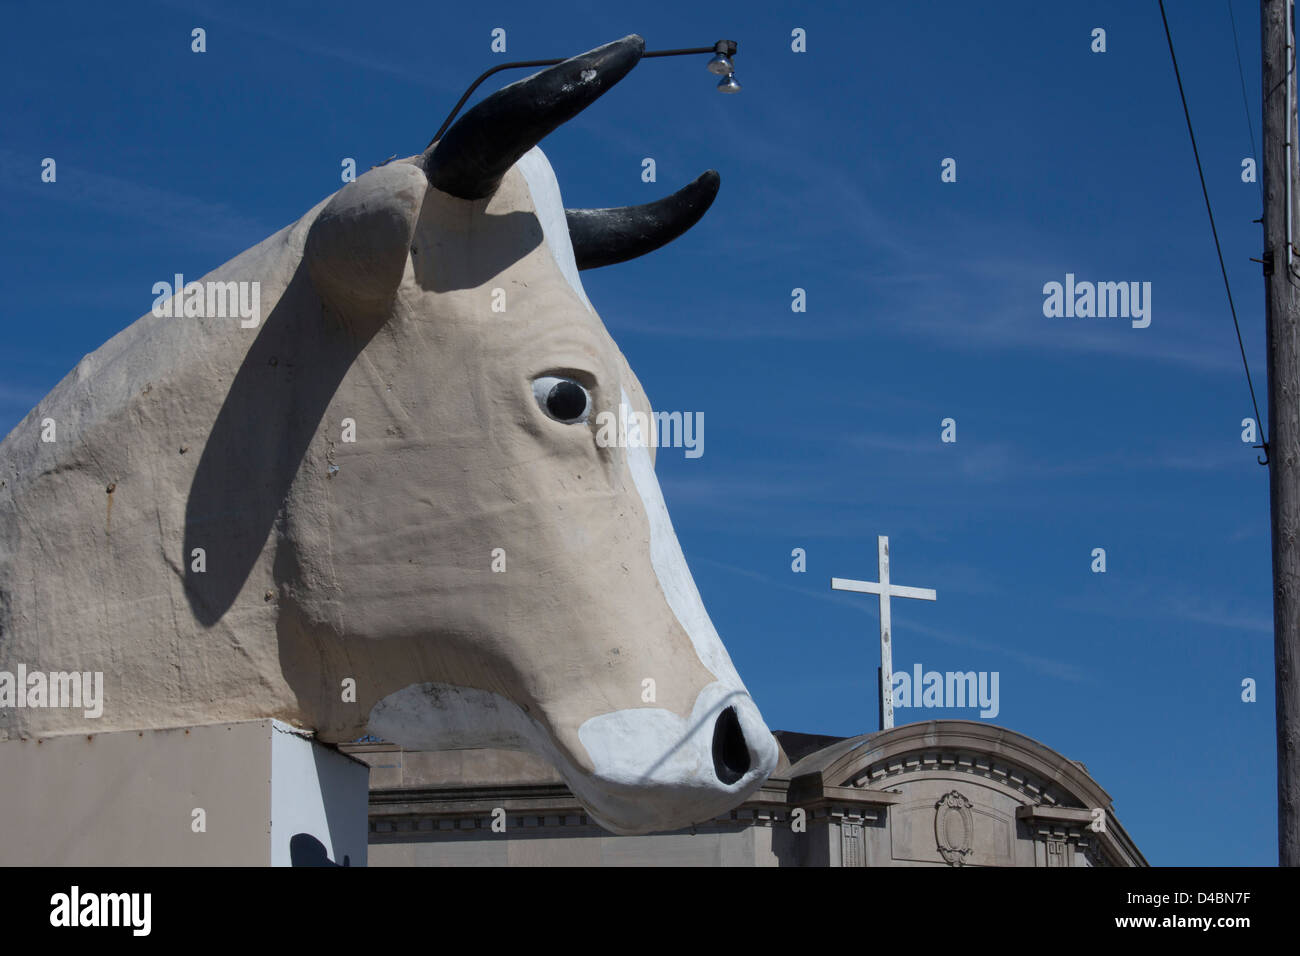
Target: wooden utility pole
<point>1282,318</point>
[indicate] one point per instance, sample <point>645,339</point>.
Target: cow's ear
<point>357,248</point>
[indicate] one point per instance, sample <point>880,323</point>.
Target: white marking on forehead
<point>542,184</point>
<point>670,564</point>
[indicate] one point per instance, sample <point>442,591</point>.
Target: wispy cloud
<point>20,397</point>
<point>976,300</point>
<point>298,40</point>
<point>1001,461</point>
<point>1142,602</point>
<point>165,210</point>
<point>1046,666</point>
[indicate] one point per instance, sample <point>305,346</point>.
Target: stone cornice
<point>1112,840</point>
<point>871,753</point>
<point>429,809</point>
<point>810,790</point>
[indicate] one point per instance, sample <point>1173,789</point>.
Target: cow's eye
<point>562,399</point>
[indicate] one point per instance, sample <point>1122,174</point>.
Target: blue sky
<point>924,301</point>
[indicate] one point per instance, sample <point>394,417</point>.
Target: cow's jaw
<point>637,770</point>
<point>649,769</point>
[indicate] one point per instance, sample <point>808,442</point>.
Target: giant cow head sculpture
<point>474,569</point>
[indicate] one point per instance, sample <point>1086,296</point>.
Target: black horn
<point>602,237</point>
<point>470,159</point>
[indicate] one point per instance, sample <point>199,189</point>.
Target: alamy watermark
<point>628,429</point>
<point>1102,300</point>
<point>952,689</point>
<point>209,300</point>
<point>129,910</point>
<point>84,689</point>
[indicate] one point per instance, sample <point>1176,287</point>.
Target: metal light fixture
<point>728,84</point>
<point>721,65</point>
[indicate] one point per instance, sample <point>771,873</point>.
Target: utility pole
<point>1282,319</point>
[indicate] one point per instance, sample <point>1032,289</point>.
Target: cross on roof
<point>885,590</point>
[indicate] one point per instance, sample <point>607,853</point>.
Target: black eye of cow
<point>562,399</point>
<point>567,401</point>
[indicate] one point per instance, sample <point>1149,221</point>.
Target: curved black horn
<point>475,153</point>
<point>602,237</point>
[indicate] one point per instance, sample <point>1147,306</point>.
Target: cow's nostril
<point>730,752</point>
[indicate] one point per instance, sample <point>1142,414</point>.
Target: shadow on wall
<point>282,390</point>
<point>306,850</point>
<point>482,249</point>
<point>258,441</point>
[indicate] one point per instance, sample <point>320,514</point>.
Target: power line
<point>1245,102</point>
<point>1213,229</point>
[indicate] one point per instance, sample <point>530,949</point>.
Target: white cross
<point>886,591</point>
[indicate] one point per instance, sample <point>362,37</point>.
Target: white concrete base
<point>254,793</point>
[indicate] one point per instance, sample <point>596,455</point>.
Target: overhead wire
<point>1214,229</point>
<point>1245,101</point>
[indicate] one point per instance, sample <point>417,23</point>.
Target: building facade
<point>934,793</point>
